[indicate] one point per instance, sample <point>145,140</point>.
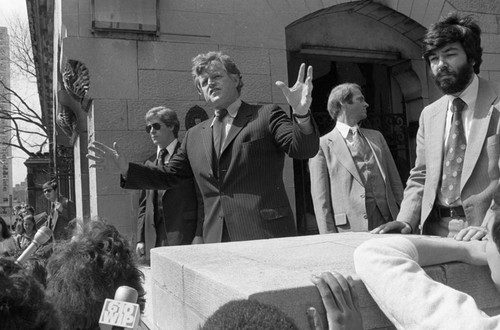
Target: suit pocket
<point>341,219</point>
<point>271,214</point>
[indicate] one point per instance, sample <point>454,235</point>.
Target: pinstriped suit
<point>480,170</point>
<point>245,186</point>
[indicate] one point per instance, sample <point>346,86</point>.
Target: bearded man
<point>456,170</point>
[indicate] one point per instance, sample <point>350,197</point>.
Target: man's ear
<point>235,77</point>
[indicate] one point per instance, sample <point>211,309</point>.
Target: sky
<point>9,8</point>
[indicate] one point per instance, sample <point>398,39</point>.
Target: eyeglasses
<point>47,190</point>
<point>156,126</point>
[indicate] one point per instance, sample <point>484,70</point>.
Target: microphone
<point>122,312</point>
<point>41,237</point>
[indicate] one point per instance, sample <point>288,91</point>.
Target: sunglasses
<point>47,190</point>
<point>156,126</point>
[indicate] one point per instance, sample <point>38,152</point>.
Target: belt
<point>453,212</point>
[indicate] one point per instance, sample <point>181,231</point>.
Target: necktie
<point>217,130</point>
<point>454,157</point>
<point>161,157</point>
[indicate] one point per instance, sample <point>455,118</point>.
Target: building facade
<point>5,128</point>
<point>113,60</point>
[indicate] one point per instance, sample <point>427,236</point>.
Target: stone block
<point>84,19</point>
<point>197,280</point>
<point>249,60</point>
<point>109,78</point>
<point>495,76</point>
<point>488,22</point>
<point>111,114</point>
<point>404,7</point>
<point>178,5</point>
<point>168,55</point>
<point>68,10</point>
<point>119,211</point>
<point>490,43</point>
<point>418,10</point>
<point>161,84</point>
<point>432,13</point>
<point>279,71</point>
<point>491,62</point>
<point>257,88</point>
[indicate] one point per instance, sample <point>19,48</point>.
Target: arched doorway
<point>345,43</point>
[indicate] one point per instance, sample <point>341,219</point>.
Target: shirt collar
<point>170,148</point>
<point>232,110</point>
<point>469,94</point>
<point>344,128</point>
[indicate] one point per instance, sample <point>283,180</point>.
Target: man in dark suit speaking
<point>236,157</point>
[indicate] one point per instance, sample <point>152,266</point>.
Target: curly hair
<point>23,302</point>
<point>246,315</point>
<point>454,28</point>
<point>85,271</point>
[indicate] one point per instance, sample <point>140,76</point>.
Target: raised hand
<point>107,158</point>
<point>299,96</point>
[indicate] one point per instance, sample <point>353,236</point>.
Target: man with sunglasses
<point>170,215</point>
<point>236,157</point>
<point>62,211</point>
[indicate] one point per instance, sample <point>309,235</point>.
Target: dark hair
<point>246,315</point>
<point>203,61</point>
<point>5,229</point>
<point>85,271</point>
<point>340,94</point>
<point>23,302</point>
<point>454,28</point>
<point>166,115</point>
<point>50,184</point>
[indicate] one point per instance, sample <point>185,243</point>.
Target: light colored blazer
<point>337,189</point>
<point>480,170</point>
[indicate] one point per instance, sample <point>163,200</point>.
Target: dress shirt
<point>170,148</point>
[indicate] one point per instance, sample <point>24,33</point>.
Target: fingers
<point>302,70</point>
<point>325,292</point>
<point>471,233</point>
<point>377,230</point>
<point>309,76</point>
<point>282,86</point>
<point>314,319</point>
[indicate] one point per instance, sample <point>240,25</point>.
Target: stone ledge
<point>189,283</point>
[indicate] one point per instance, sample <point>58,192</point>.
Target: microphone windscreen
<point>126,293</point>
<point>42,235</point>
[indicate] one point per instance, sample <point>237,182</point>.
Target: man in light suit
<point>452,49</point>
<point>235,157</point>
<point>166,217</point>
<point>355,185</point>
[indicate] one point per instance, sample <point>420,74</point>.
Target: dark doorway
<point>386,113</point>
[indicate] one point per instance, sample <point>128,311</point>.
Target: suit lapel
<point>481,120</point>
<point>434,139</point>
<point>339,148</point>
<point>377,153</point>
<point>242,118</point>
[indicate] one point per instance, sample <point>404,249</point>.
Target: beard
<point>451,82</point>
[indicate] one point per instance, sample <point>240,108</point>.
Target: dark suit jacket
<point>61,219</point>
<point>177,223</point>
<point>480,172</point>
<point>337,190</point>
<point>245,186</point>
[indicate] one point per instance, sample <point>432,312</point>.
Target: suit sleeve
<point>200,211</point>
<point>141,217</point>
<point>321,195</point>
<point>412,201</point>
<point>178,169</point>
<point>290,138</point>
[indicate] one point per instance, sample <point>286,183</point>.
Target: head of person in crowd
<point>29,225</point>
<point>162,125</point>
<point>4,230</point>
<point>347,104</point>
<point>248,314</point>
<point>50,190</point>
<point>23,302</point>
<point>19,226</point>
<point>452,49</point>
<point>217,78</point>
<point>84,271</point>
